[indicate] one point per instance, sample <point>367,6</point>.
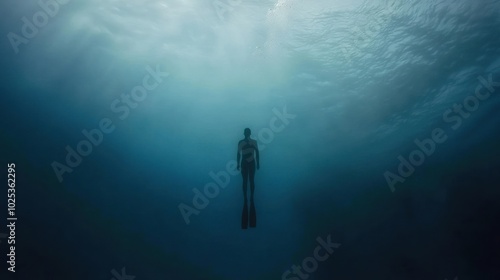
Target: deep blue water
<point>377,123</point>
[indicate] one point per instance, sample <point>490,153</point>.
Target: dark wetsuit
<point>249,154</point>
<point>248,149</point>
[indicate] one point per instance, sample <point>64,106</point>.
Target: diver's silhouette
<point>246,150</point>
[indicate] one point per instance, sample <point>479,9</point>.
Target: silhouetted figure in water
<point>248,155</point>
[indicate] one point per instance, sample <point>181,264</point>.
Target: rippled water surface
<point>377,123</point>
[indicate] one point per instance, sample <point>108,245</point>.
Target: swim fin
<point>253,215</point>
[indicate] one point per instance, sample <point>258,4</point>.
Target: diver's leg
<point>244,213</point>
<point>253,215</point>
<point>244,173</point>
<point>251,175</point>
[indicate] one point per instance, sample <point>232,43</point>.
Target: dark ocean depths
<point>377,123</point>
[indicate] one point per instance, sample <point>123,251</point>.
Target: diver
<point>248,155</point>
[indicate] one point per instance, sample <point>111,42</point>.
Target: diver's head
<point>247,132</point>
